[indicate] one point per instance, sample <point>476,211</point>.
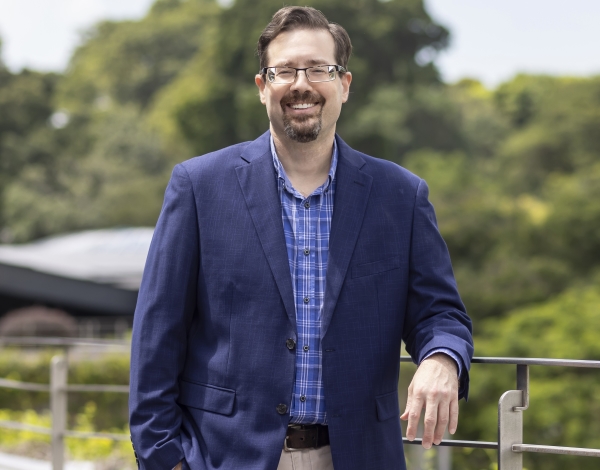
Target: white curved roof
<point>110,256</point>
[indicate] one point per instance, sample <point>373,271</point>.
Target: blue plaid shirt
<point>307,225</point>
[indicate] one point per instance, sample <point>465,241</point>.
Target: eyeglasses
<point>320,73</point>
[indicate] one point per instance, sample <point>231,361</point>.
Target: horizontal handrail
<point>18,385</point>
<point>37,341</point>
<point>36,387</point>
<point>98,388</point>
<point>556,450</point>
<point>24,427</point>
<point>457,443</point>
<point>528,361</point>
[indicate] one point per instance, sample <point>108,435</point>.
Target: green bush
<point>89,412</point>
<point>29,365</point>
<point>117,454</point>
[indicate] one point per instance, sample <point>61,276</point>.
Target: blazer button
<point>290,343</point>
<point>282,409</point>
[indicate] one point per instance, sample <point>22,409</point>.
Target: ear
<point>346,79</point>
<point>260,83</point>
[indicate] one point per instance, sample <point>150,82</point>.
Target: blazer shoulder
<point>389,175</point>
<point>382,171</point>
<point>214,162</point>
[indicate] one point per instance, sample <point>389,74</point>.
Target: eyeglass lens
<point>323,73</point>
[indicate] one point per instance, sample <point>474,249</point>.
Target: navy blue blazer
<point>211,375</point>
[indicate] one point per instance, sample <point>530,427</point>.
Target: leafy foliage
<point>514,172</point>
<point>34,366</point>
<point>87,412</point>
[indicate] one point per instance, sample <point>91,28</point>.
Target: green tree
<point>563,401</point>
<point>128,62</point>
<point>25,107</point>
<point>214,101</point>
<point>118,179</point>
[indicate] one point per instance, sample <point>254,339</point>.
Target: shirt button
<point>302,398</point>
<point>305,347</point>
<point>306,300</point>
<point>282,409</point>
<point>306,251</point>
<point>290,343</point>
<point>307,204</point>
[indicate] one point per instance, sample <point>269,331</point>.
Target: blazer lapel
<point>258,183</point>
<point>351,196</point>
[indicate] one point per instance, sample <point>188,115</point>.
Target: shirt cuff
<point>450,353</point>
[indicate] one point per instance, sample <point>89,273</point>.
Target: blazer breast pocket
<point>206,397</point>
<point>376,267</point>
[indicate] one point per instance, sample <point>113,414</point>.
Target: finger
<point>429,423</point>
<point>442,422</point>
<point>404,415</point>
<point>453,424</point>
<point>414,413</point>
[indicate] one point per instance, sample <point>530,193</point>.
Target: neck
<point>306,164</point>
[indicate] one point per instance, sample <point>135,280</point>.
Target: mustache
<point>297,97</point>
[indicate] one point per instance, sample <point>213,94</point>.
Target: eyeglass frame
<point>338,68</point>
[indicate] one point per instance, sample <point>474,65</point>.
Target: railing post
<point>510,430</point>
<point>58,408</point>
<point>523,385</point>
<point>445,455</point>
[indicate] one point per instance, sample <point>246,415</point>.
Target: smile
<point>302,105</point>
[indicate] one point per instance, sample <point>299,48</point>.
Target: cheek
<point>274,103</point>
<point>271,99</point>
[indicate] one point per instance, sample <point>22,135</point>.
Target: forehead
<point>301,47</point>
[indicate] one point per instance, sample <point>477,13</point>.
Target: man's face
<point>303,111</point>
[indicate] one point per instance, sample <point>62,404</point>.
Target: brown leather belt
<point>306,436</point>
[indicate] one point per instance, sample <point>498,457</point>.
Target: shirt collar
<point>279,170</point>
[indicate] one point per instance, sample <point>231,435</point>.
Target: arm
<point>166,303</point>
<point>435,320</point>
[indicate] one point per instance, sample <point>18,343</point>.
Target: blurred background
<point>496,104</point>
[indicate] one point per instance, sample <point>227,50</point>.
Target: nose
<point>301,81</point>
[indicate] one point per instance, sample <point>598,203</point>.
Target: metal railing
<point>512,404</point>
<point>58,390</point>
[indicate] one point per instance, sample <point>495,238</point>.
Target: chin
<point>303,134</point>
<point>302,130</point>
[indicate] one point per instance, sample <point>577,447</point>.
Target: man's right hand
<point>435,388</point>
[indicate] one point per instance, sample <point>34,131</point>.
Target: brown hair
<point>290,18</point>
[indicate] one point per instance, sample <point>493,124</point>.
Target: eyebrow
<point>309,63</point>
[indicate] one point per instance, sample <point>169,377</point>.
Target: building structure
<point>92,275</point>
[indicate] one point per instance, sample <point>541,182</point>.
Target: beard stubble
<point>300,129</point>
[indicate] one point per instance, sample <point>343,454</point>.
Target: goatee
<point>300,128</point>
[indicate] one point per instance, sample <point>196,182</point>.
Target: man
<point>282,277</point>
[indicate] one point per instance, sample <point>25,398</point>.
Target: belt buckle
<point>302,428</point>
<point>285,446</point>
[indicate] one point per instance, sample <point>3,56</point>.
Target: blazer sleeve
<point>166,303</point>
<point>435,317</point>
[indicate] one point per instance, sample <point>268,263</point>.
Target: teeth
<point>303,105</point>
